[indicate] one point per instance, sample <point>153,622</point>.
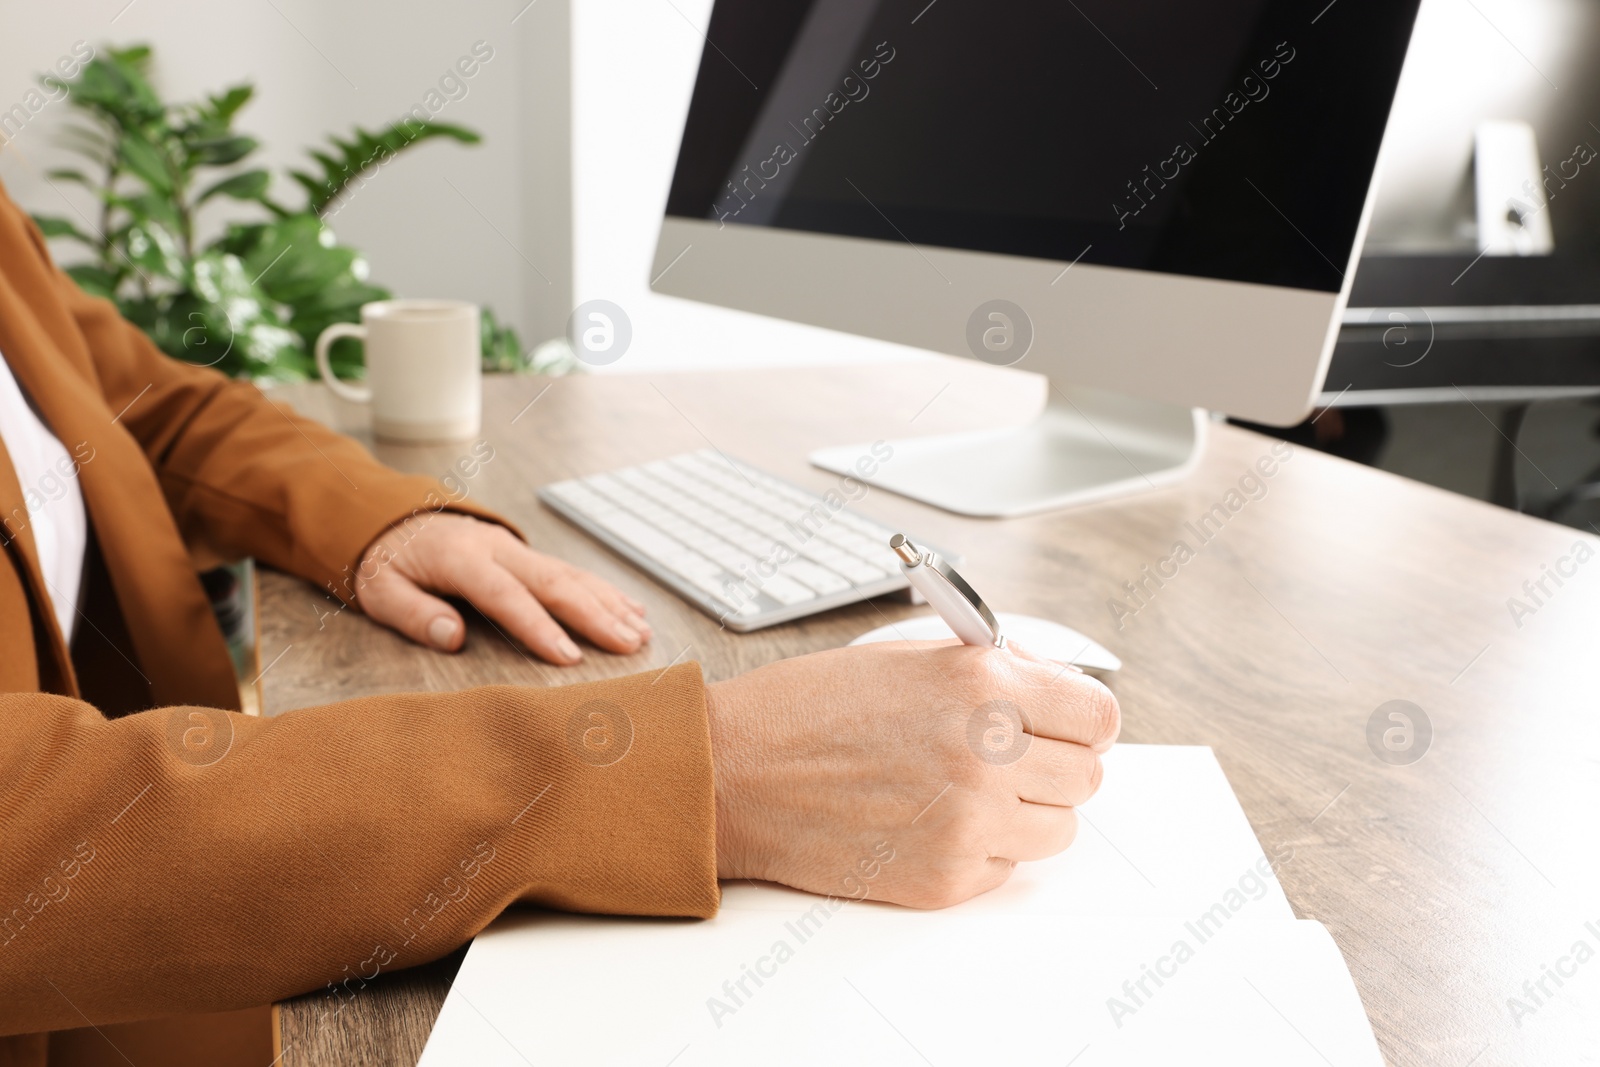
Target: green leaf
<point>115,86</point>
<point>340,302</point>
<point>147,163</point>
<point>96,281</point>
<point>316,189</point>
<point>554,357</point>
<point>502,348</point>
<point>55,226</point>
<point>221,151</point>
<point>250,185</point>
<point>333,167</point>
<point>94,144</point>
<point>293,263</point>
<point>67,174</point>
<point>134,57</point>
<point>153,248</point>
<point>240,238</point>
<point>227,105</point>
<point>143,207</point>
<point>369,150</point>
<point>420,130</point>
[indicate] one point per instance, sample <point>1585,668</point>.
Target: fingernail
<point>625,632</point>
<point>442,631</point>
<point>568,649</point>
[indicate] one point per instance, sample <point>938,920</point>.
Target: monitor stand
<point>1087,445</point>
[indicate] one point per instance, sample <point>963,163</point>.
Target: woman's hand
<point>956,762</point>
<point>525,593</point>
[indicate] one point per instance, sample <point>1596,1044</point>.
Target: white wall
<point>634,63</point>
<point>319,68</point>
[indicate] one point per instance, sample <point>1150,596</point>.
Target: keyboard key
<point>819,578</point>
<point>714,589</point>
<point>786,591</point>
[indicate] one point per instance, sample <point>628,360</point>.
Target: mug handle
<point>356,394</point>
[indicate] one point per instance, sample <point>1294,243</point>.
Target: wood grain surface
<point>1318,595</point>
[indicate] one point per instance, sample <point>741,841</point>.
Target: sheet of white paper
<point>890,987</point>
<point>1161,936</point>
<point>1164,836</point>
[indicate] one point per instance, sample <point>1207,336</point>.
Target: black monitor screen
<point>1231,139</point>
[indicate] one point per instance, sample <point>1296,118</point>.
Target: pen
<point>957,603</point>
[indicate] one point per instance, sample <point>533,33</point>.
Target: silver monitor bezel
<point>1254,351</point>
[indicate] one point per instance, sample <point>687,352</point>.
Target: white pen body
<point>962,618</point>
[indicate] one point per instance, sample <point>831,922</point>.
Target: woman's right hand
<point>954,762</point>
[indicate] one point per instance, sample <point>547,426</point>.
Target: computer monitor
<point>1155,205</point>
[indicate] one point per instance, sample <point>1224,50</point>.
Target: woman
<point>161,854</point>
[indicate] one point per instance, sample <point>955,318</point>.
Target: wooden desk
<point>1448,883</point>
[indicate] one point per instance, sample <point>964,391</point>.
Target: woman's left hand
<point>526,593</point>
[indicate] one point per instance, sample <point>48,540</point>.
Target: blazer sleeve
<point>240,473</point>
<point>190,860</point>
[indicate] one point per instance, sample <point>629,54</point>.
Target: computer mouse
<point>1039,636</point>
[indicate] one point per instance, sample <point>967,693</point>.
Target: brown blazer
<point>324,846</point>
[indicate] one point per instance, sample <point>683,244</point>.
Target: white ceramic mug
<point>424,368</point>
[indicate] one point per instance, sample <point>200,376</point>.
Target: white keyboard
<point>748,549</point>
